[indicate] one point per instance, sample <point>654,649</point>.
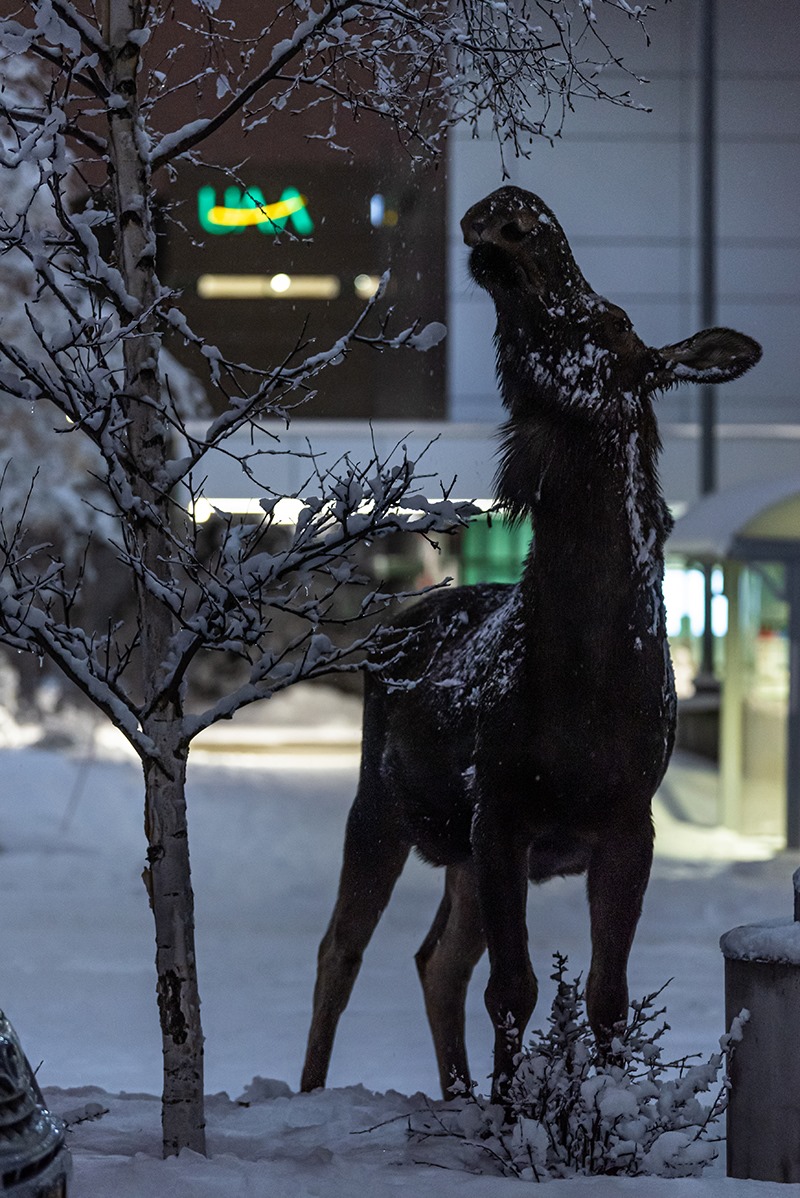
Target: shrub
<point>576,1111</point>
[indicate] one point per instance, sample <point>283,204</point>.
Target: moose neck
<point>600,522</point>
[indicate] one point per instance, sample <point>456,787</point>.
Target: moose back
<point>542,715</point>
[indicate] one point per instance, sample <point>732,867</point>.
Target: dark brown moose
<point>542,718</point>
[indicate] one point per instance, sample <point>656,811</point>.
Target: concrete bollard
<point>762,976</point>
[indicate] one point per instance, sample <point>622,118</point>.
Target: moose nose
<point>472,228</point>
<point>498,227</point>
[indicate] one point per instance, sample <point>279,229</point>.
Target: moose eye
<point>618,321</point>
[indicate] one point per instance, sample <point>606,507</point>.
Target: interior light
<point>286,510</point>
<point>233,286</point>
<point>684,599</point>
<point>376,211</point>
<point>306,286</point>
<point>201,510</point>
<point>279,286</point>
<point>366,285</point>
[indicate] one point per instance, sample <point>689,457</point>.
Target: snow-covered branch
<point>29,627</point>
<point>260,572</point>
<point>275,392</point>
<point>422,68</point>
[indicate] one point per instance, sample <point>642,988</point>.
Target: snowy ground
<point>76,946</point>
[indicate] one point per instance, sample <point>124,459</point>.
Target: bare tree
<point>92,127</point>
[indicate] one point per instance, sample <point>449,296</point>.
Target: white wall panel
<point>760,36</point>
<point>765,272</point>
<point>768,104</point>
<point>625,269</point>
<point>470,360</point>
<point>661,93</point>
<point>777,327</point>
<point>759,187</point>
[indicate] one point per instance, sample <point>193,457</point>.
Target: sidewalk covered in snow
<point>76,944</point>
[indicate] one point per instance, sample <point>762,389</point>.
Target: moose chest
<point>560,728</point>
<point>582,726</point>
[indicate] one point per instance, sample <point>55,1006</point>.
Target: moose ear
<point>712,356</point>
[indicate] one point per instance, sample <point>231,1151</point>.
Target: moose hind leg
<point>373,861</point>
<point>445,962</point>
<point>619,869</point>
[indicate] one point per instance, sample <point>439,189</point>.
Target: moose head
<point>555,332</point>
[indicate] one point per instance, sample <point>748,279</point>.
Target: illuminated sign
<point>242,210</point>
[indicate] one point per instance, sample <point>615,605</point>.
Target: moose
<point>527,727</point>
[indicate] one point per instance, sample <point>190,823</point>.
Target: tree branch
<point>173,145</point>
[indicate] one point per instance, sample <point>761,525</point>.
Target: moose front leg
<point>501,859</point>
<point>619,869</point>
<point>445,962</point>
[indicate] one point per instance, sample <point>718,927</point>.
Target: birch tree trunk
<point>146,524</point>
<point>168,881</point>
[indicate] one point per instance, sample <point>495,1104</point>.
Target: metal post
<point>793,721</point>
<point>707,227</point>
<point>731,746</point>
<point>707,139</point>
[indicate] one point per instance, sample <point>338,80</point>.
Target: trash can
<point>762,976</point>
<point>34,1162</point>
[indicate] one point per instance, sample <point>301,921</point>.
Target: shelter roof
<point>721,525</point>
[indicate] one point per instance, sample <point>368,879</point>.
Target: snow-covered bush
<point>577,1112</point>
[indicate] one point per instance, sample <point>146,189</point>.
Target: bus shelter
<point>753,532</point>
